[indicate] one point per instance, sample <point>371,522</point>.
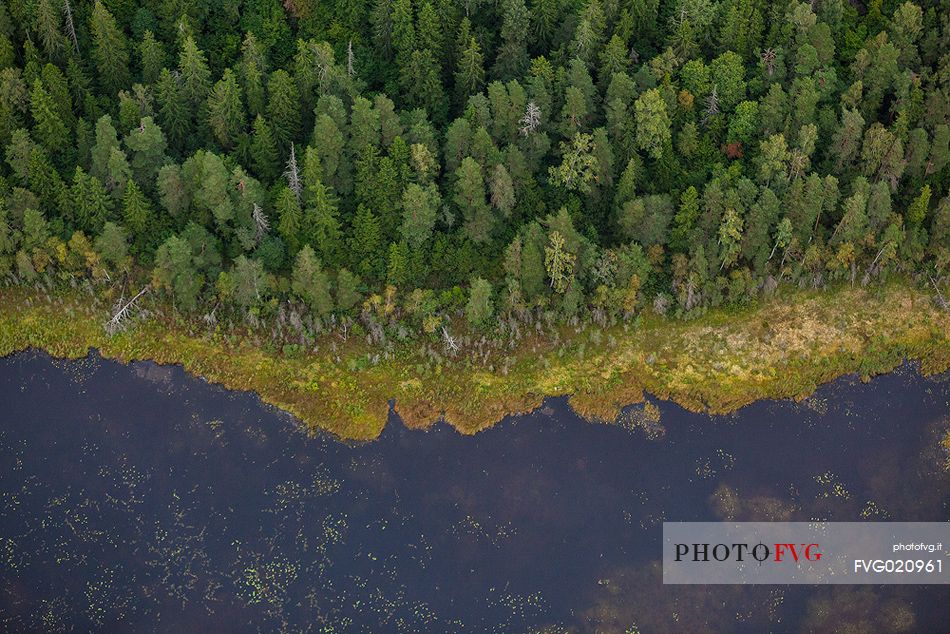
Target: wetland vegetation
<point>467,207</point>
<point>718,362</point>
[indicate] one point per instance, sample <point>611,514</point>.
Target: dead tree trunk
<point>122,313</point>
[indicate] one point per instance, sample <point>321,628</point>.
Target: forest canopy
<point>406,161</point>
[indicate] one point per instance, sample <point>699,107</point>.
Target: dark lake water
<point>137,498</point>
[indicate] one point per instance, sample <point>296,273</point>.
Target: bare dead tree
<point>293,174</point>
<point>345,327</point>
<point>692,297</point>
<point>349,59</point>
<point>878,256</point>
<point>70,28</point>
<point>261,223</point>
<point>211,318</point>
<point>449,341</point>
<point>531,119</point>
<point>768,59</point>
<point>123,312</point>
<point>872,268</point>
<point>295,321</point>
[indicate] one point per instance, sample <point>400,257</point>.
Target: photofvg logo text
<point>805,552</point>
<point>777,553</point>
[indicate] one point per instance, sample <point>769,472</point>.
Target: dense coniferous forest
<point>402,162</point>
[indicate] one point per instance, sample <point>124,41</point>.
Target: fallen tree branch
<point>449,340</point>
<point>122,313</point>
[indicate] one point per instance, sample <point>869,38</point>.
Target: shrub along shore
<point>716,362</point>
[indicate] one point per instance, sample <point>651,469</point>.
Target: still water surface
<point>138,498</point>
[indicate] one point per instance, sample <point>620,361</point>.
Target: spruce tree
<point>174,112</point>
<point>57,86</point>
<point>225,110</point>
<point>311,283</point>
<point>403,31</point>
<point>512,59</point>
<point>917,211</point>
<point>48,128</point>
<point>264,155</point>
<point>283,109</point>
<point>120,173</point>
<point>331,146</point>
<point>151,57</point>
<point>290,220</point>
<point>253,71</point>
<point>470,71</point>
<point>194,75</point>
<point>422,86</point>
<point>48,27</point>
<point>91,202</point>
<point>137,214</point>
<point>321,217</point>
<point>109,49</point>
<point>397,264</point>
<point>470,199</point>
<point>429,32</point>
<point>365,244</point>
<point>45,182</point>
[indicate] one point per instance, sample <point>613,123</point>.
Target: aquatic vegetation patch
<point>645,418</point>
<point>832,486</point>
